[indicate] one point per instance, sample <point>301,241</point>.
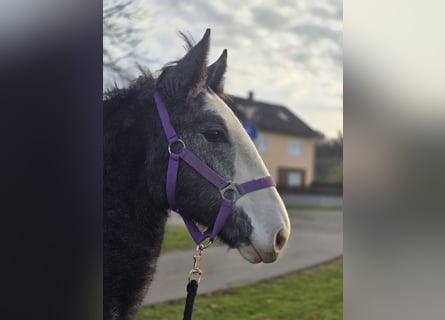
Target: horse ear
<point>215,73</point>
<point>188,76</point>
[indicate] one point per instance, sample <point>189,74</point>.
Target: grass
<point>177,237</point>
<point>315,294</point>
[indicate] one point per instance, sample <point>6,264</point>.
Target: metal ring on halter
<point>203,246</point>
<point>181,142</point>
<point>230,192</point>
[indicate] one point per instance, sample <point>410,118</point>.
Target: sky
<point>286,52</point>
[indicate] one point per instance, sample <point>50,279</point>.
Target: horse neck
<point>134,166</point>
<point>134,205</point>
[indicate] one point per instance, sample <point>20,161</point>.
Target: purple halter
<point>230,191</point>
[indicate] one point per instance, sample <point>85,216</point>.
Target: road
<point>316,237</point>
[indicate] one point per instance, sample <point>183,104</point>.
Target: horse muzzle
<point>265,251</point>
<point>270,226</point>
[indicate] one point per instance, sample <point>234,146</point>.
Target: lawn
<point>315,294</point>
<point>177,238</point>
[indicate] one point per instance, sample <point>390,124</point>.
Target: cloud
<point>289,54</point>
<point>328,10</point>
<point>268,17</point>
<point>336,56</point>
<point>312,32</point>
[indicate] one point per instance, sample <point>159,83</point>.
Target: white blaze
<point>264,207</point>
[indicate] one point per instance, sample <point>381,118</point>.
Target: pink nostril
<point>280,240</point>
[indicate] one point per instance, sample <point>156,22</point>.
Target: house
<point>284,141</point>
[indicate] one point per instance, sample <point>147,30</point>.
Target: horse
<point>136,157</point>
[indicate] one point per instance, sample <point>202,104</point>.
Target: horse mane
<point>133,222</point>
<point>188,39</point>
<point>144,82</point>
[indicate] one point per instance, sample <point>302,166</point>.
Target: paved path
<point>317,236</point>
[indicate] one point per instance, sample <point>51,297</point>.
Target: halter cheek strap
<point>230,191</point>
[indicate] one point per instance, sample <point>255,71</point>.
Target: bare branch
<point>121,36</point>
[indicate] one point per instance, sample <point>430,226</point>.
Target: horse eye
<point>214,136</point>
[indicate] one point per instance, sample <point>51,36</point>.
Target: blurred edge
<point>394,180</point>
<point>51,185</point>
<point>51,159</point>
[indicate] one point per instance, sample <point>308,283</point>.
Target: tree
<point>329,160</point>
<point>121,38</point>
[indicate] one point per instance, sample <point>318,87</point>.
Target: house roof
<point>271,117</point>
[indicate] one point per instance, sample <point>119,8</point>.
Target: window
<point>262,143</point>
<point>294,179</point>
<point>296,147</point>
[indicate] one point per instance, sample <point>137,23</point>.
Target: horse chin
<point>252,255</point>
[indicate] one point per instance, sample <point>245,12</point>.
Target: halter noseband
<point>230,191</point>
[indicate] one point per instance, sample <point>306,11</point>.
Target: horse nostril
<point>280,240</point>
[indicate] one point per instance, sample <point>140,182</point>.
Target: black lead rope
<point>193,280</point>
<point>192,288</point>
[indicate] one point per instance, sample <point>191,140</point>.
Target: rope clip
<point>196,272</point>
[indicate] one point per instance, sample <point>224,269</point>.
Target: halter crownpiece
<point>229,190</point>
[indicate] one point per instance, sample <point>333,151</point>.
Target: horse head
<point>258,225</point>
